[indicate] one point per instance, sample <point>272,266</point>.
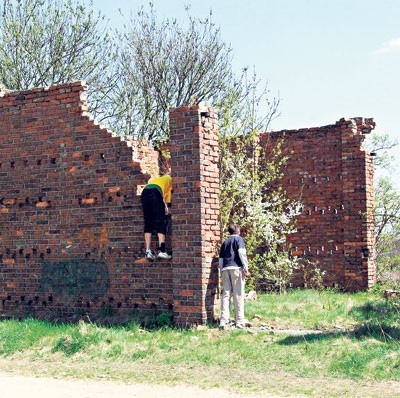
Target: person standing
<point>156,201</point>
<point>234,268</point>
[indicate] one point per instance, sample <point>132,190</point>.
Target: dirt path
<point>24,386</point>
<point>16,386</point>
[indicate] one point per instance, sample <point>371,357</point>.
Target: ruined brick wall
<point>71,229</point>
<point>146,156</point>
<point>71,225</point>
<point>332,176</point>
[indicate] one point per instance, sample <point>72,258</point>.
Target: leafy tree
<point>45,42</point>
<point>265,215</point>
<point>387,219</point>
<point>387,208</point>
<point>164,64</point>
<point>381,145</point>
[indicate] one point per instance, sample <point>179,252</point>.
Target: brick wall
<point>196,234</point>
<point>330,173</point>
<point>71,232</point>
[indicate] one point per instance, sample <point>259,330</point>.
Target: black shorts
<point>153,211</point>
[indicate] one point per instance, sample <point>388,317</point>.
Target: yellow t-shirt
<point>165,183</point>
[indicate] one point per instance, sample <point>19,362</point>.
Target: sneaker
<point>223,326</point>
<point>245,324</point>
<point>150,255</point>
<point>164,255</point>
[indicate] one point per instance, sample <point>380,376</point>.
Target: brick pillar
<point>358,223</point>
<point>195,210</point>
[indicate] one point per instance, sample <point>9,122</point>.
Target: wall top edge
<point>364,125</point>
<point>4,92</point>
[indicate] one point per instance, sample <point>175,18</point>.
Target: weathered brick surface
<point>71,231</point>
<point>71,227</point>
<point>194,164</point>
<point>330,173</point>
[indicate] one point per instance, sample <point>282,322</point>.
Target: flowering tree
<point>387,209</point>
<point>265,215</point>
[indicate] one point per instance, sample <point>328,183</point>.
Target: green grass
<point>358,339</point>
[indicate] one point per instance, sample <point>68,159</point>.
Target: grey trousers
<point>233,286</point>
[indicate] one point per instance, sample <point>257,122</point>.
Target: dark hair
<point>234,229</point>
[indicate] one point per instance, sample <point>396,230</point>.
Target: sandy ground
<point>25,386</point>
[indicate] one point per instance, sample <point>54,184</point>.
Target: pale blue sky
<point>326,59</point>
